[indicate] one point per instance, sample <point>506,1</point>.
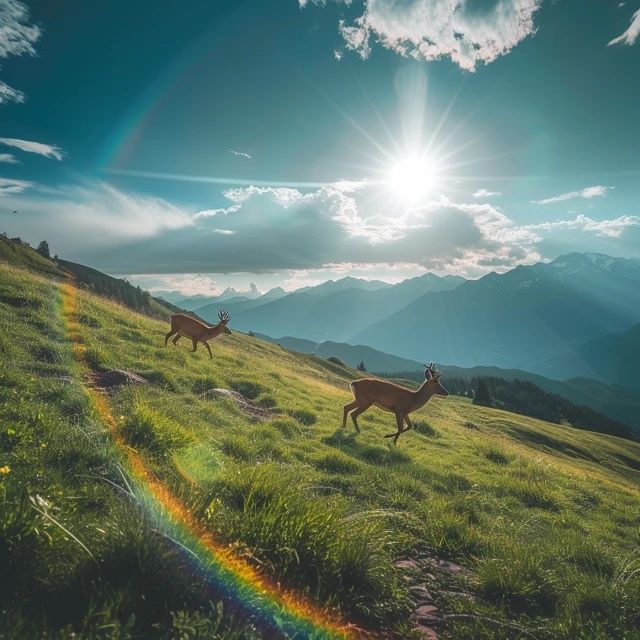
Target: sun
<point>412,177</point>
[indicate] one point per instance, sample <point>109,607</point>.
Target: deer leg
<point>357,412</point>
<point>166,338</point>
<point>396,435</point>
<point>206,344</point>
<point>176,338</point>
<point>195,344</point>
<point>345,413</point>
<point>409,425</point>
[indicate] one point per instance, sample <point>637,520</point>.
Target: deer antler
<point>431,368</point>
<point>224,316</point>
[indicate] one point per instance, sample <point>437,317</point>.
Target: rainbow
<point>262,600</point>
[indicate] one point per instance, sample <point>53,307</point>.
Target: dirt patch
<point>116,378</point>
<point>430,579</point>
<point>254,411</point>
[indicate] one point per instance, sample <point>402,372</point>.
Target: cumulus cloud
<point>17,38</point>
<point>29,146</point>
<point>9,186</point>
<point>8,158</point>
<point>630,36</point>
<point>485,193</point>
<point>464,31</point>
<point>587,193</point>
<point>265,229</point>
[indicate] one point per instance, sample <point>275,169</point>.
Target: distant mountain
<point>349,354</point>
<point>194,302</point>
<point>234,305</point>
<point>520,319</point>
<point>331,286</point>
<point>615,357</point>
<point>331,311</point>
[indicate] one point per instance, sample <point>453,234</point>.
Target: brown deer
<point>184,326</point>
<point>393,398</point>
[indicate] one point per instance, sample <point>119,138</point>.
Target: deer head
<point>224,319</point>
<point>432,376</point>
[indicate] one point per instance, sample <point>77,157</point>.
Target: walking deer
<point>184,326</point>
<point>393,398</point>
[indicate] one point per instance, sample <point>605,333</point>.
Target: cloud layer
<point>17,38</point>
<point>29,146</point>
<point>461,30</point>
<point>271,228</point>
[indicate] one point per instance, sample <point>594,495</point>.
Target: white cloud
<point>9,94</point>
<point>8,158</point>
<point>17,38</point>
<point>610,228</point>
<point>210,213</point>
<point>29,146</point>
<point>95,215</point>
<point>631,34</point>
<point>485,193</point>
<point>242,154</point>
<point>9,186</point>
<point>432,29</point>
<point>266,229</point>
<point>587,193</point>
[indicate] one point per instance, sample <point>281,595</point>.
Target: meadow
<point>542,520</point>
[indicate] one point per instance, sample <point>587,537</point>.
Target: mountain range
<point>527,318</point>
<point>571,317</point>
<point>334,310</point>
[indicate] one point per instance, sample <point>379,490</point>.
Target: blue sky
<point>286,142</point>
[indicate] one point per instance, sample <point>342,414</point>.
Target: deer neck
<point>423,394</point>
<point>214,331</point>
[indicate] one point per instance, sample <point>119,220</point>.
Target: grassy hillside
<point>121,511</point>
<point>24,256</point>
<point>15,252</point>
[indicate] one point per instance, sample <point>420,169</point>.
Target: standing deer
<point>184,326</point>
<point>393,398</point>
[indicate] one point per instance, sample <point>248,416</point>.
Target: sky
<point>286,142</point>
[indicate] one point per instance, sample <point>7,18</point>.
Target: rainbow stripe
<point>263,601</point>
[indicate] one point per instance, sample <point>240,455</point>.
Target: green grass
<point>546,518</point>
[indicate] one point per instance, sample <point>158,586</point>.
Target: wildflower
<point>4,470</point>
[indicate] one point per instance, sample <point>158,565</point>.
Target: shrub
<point>336,462</point>
<point>425,429</point>
<point>247,388</point>
<point>266,400</point>
<point>496,454</point>
<point>150,430</point>
<point>304,417</point>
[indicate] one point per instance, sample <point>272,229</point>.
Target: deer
<point>184,326</point>
<point>392,397</point>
